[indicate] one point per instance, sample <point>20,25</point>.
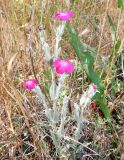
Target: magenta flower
<point>63,16</point>
<point>94,87</point>
<point>30,84</point>
<point>63,66</point>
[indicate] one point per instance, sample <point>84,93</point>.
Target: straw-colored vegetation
<point>100,26</point>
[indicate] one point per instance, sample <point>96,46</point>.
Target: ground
<point>23,134</point>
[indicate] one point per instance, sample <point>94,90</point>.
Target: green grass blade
<point>112,28</point>
<point>88,64</point>
<point>120,4</point>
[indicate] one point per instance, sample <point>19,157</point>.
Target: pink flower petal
<point>56,62</point>
<point>63,66</point>
<point>60,70</point>
<point>30,84</point>
<point>70,68</point>
<point>94,87</point>
<point>63,16</point>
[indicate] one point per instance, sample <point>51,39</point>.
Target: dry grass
<point>21,57</point>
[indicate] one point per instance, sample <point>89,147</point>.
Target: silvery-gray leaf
<point>59,32</point>
<point>53,86</point>
<point>83,99</point>
<point>56,141</point>
<point>42,35</point>
<point>60,29</point>
<point>49,113</point>
<point>59,50</point>
<point>63,115</point>
<point>61,129</point>
<point>61,81</point>
<point>47,51</point>
<point>41,96</point>
<point>56,117</point>
<point>76,112</point>
<point>78,131</point>
<point>45,46</point>
<point>52,91</point>
<point>64,107</point>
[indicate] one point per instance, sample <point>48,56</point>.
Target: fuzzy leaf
<point>49,113</point>
<point>45,46</point>
<point>56,117</point>
<point>53,87</point>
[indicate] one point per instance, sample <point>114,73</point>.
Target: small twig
<point>102,31</point>
<point>86,146</point>
<point>89,155</point>
<point>30,42</point>
<point>31,52</point>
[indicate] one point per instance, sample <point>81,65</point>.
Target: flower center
<point>64,64</point>
<point>63,14</point>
